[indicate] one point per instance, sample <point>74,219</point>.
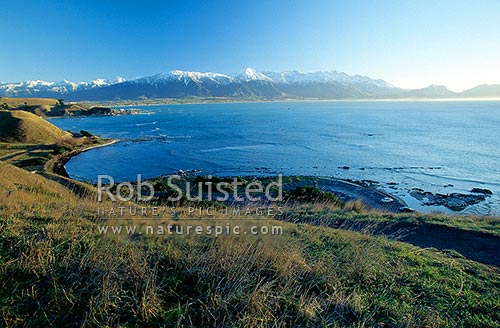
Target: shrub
<point>310,194</point>
<point>86,134</point>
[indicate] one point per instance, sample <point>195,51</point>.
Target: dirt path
<point>27,151</point>
<point>12,155</point>
<point>477,246</point>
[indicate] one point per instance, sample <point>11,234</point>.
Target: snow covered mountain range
<point>249,84</point>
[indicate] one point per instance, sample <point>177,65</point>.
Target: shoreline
<point>348,190</point>
<point>176,101</point>
<point>371,197</point>
<point>57,164</point>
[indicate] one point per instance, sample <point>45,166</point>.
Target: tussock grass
<point>55,269</point>
<point>355,206</point>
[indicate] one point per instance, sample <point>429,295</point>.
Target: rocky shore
<point>453,201</point>
<point>104,111</point>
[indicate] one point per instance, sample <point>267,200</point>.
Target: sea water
<point>436,146</point>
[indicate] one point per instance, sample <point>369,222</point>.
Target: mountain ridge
<point>249,84</point>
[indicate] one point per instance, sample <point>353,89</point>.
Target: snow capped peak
<point>65,86</point>
<point>251,74</point>
<point>120,79</point>
<point>36,83</point>
<point>207,83</point>
<point>188,77</point>
<point>250,71</point>
<point>100,82</point>
<point>199,75</point>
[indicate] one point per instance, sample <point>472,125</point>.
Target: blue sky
<point>407,43</point>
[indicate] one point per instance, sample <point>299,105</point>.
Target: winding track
<point>477,246</point>
<point>474,245</point>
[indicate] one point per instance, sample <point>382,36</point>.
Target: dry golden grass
<point>12,178</point>
<point>15,102</point>
<point>26,194</point>
<point>41,106</point>
<point>71,143</point>
<point>8,149</point>
<point>355,206</point>
<point>24,127</point>
<point>57,270</point>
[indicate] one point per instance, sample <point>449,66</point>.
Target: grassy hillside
<point>24,127</point>
<point>56,268</point>
<point>52,107</point>
<point>41,106</point>
<point>16,102</point>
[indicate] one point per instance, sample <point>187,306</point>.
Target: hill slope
<point>483,91</point>
<point>24,127</point>
<point>43,106</point>
<point>57,266</point>
<point>14,178</point>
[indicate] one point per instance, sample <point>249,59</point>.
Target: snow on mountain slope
<point>119,79</point>
<point>289,77</point>
<point>186,77</point>
<point>249,83</point>
<point>44,88</point>
<point>34,87</point>
<point>251,74</point>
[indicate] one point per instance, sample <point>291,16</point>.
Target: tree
<point>60,102</point>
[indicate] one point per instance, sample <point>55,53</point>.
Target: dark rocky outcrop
<point>453,201</point>
<point>481,191</point>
